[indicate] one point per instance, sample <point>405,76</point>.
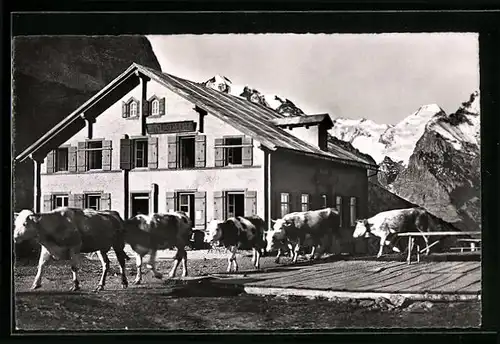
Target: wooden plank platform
<point>444,280</point>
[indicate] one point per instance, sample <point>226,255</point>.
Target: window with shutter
<point>106,155</point>
<point>353,212</point>
<point>304,202</point>
<point>153,152</point>
<point>125,110</point>
<point>125,154</point>
<point>250,203</point>
<point>60,201</point>
<point>247,151</point>
<point>218,205</point>
<point>172,151</point>
<point>170,197</point>
<point>219,152</point>
<point>284,203</point>
<point>155,107</point>
<point>140,153</point>
<point>61,159</point>
<point>93,201</point>
<point>200,208</point>
<point>51,161</point>
<point>106,201</point>
<point>161,107</point>
<point>133,112</point>
<point>95,155</point>
<point>200,150</point>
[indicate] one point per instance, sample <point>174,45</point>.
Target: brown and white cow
<point>240,232</point>
<point>313,228</point>
<point>151,233</point>
<point>64,233</point>
<point>387,223</point>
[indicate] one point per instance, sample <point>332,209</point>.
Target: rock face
<point>443,174</point>
<point>52,76</point>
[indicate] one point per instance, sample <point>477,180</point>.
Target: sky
<point>382,77</point>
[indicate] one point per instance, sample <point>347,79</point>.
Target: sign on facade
<point>171,127</point>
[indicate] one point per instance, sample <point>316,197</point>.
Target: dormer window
<point>155,107</point>
<point>133,109</point>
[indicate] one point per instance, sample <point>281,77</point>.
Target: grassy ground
<point>171,305</point>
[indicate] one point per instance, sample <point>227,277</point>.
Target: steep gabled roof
<point>251,119</point>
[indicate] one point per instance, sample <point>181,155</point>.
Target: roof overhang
<point>304,121</point>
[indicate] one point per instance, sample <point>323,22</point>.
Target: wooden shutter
<point>200,150</point>
<point>339,206</point>
<point>250,203</point>
<point>218,205</point>
<point>125,154</point>
<point>153,152</point>
<point>172,151</point>
<point>162,107</point>
<point>145,108</point>
<point>219,152</point>
<point>51,161</point>
<point>47,203</point>
<point>72,159</point>
<point>76,201</point>
<point>353,210</point>
<point>247,153</point>
<point>106,201</point>
<point>200,206</point>
<point>81,157</point>
<point>106,155</point>
<point>125,112</point>
<point>171,206</point>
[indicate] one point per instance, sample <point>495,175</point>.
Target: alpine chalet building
<point>153,142</point>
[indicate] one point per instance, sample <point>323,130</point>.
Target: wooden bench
<point>411,237</point>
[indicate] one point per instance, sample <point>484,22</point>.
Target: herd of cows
<point>64,233</point>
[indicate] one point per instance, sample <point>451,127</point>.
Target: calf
<point>240,232</point>
<point>150,233</point>
<point>387,223</point>
<point>314,227</point>
<point>64,233</point>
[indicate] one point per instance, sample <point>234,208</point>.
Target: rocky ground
<point>176,305</point>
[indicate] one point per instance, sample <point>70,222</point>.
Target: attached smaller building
<point>150,141</point>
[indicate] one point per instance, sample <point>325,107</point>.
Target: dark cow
<point>150,233</point>
<point>314,228</point>
<point>240,232</point>
<point>64,233</point>
<point>388,223</point>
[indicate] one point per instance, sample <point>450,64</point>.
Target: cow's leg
<point>313,251</point>
<point>138,265</point>
<point>383,239</point>
<point>103,257</point>
<point>120,255</point>
<point>295,253</point>
<point>184,264</point>
<point>75,264</point>
<point>178,257</point>
<point>257,258</point>
<point>152,264</point>
<point>253,255</point>
<point>44,258</point>
<point>232,259</point>
<point>277,259</point>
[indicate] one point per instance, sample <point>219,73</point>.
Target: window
<point>185,203</point>
<point>60,201</point>
<point>133,109</point>
<point>285,203</point>
<point>353,214</point>
<point>186,150</point>
<point>304,202</point>
<point>140,153</point>
<point>324,201</point>
<point>94,155</point>
<point>61,159</point>
<point>155,107</point>
<point>93,202</point>
<point>233,153</point>
<point>338,205</point>
<point>235,204</point>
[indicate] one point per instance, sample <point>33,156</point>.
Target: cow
<point>64,233</point>
<point>388,223</point>
<point>314,228</point>
<point>240,232</point>
<point>151,233</point>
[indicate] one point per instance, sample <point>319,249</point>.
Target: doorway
<point>140,203</point>
<point>235,204</point>
<point>185,203</point>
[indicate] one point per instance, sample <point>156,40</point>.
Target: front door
<point>140,204</point>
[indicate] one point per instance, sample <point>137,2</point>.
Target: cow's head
<point>213,233</point>
<point>275,238</point>
<point>361,229</point>
<point>24,226</point>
